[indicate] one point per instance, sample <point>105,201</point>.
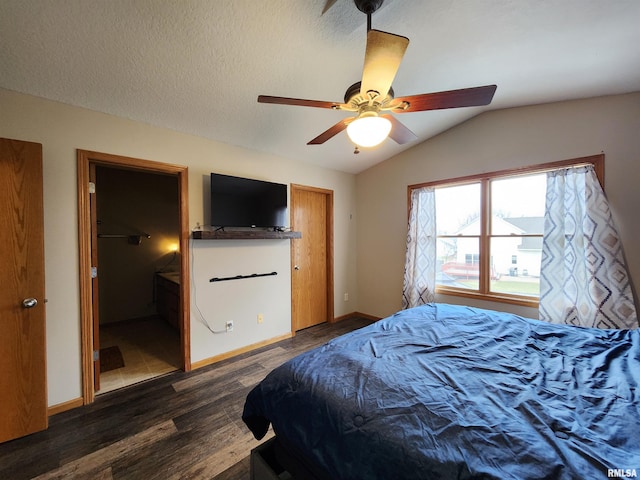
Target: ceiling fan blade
<point>298,102</point>
<point>327,5</point>
<point>381,61</point>
<point>399,132</point>
<point>466,97</point>
<point>332,132</point>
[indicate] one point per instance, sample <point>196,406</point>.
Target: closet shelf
<point>243,235</point>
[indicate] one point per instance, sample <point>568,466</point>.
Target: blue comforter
<point>451,392</point>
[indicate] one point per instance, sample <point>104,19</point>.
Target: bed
<point>452,392</point>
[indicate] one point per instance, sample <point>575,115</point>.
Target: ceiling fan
<point>373,97</point>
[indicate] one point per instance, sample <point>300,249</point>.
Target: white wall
<point>494,141</point>
<point>62,129</point>
<point>269,296</point>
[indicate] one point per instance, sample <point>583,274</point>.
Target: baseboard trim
<point>357,314</point>
<point>78,402</point>
<point>238,351</point>
<point>373,318</point>
<point>64,406</point>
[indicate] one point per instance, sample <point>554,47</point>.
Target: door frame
<point>329,249</point>
<point>85,159</point>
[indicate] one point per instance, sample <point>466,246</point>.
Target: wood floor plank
<point>178,454</point>
<point>237,471</point>
<point>233,367</point>
<point>180,425</point>
<point>96,462</point>
<point>234,451</point>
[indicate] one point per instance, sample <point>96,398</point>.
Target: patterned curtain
<point>420,261</point>
<point>584,279</point>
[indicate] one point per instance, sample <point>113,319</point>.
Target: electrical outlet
<point>260,318</point>
<point>346,297</point>
<point>230,326</point>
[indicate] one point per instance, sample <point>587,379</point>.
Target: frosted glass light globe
<point>368,131</point>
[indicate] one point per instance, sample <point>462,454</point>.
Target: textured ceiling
<point>197,66</point>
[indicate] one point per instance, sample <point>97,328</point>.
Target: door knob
<point>296,267</point>
<point>29,302</point>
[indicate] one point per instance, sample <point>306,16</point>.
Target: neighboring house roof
<point>512,225</point>
<point>529,225</point>
<point>500,227</point>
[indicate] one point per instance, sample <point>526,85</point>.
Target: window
<point>489,231</point>
<point>472,259</point>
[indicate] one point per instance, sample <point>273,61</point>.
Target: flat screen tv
<point>245,202</point>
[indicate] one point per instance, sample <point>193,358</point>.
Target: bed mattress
<point>451,392</point>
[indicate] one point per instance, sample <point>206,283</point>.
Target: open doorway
<point>134,248</point>
<point>138,231</point>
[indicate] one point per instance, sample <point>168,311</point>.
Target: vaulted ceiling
<point>197,66</point>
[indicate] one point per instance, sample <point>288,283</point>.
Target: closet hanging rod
<point>135,239</point>
<point>121,235</point>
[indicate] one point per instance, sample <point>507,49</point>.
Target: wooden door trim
<point>84,159</point>
<point>329,231</point>
<point>95,319</point>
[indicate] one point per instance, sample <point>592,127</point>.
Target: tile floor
<point>150,348</point>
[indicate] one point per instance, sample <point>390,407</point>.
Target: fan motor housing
<point>368,6</point>
<point>354,90</point>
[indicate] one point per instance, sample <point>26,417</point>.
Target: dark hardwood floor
<point>179,426</point>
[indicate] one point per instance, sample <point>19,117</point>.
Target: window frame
<point>483,292</point>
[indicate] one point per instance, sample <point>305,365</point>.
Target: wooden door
<point>23,386</point>
<point>311,257</point>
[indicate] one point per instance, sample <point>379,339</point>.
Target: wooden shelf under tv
<point>243,235</point>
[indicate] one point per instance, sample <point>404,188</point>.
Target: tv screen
<point>244,202</point>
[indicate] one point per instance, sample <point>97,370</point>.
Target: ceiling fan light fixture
<point>369,130</point>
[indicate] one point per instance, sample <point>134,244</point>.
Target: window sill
<point>491,297</point>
